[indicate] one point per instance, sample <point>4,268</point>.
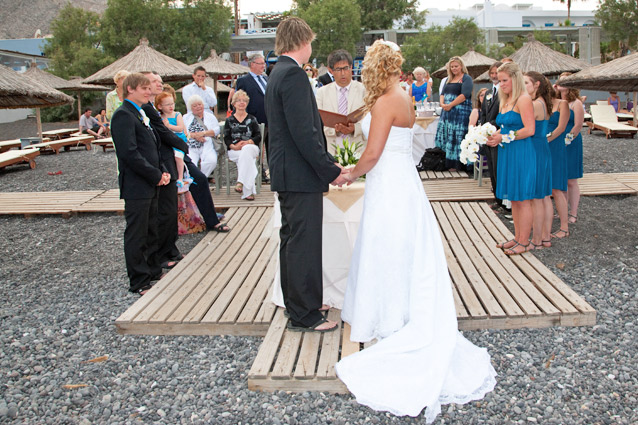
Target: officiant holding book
<point>344,96</point>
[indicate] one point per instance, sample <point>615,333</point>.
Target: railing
<point>258,31</point>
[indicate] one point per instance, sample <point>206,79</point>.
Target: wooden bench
<point>18,157</point>
<point>105,143</point>
<point>59,134</point>
<point>56,145</point>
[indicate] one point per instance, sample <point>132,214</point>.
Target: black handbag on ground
<point>432,160</point>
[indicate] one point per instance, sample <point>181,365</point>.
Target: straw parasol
<point>143,58</point>
<point>618,75</point>
<point>475,63</point>
<point>19,91</point>
<point>216,66</point>
<point>59,83</point>
<point>535,56</point>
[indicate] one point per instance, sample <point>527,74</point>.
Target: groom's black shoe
<point>313,328</point>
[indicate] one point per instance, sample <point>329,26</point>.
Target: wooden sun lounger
<point>18,157</point>
<point>56,145</point>
<point>604,118</point>
<point>105,143</point>
<point>5,145</point>
<point>59,134</point>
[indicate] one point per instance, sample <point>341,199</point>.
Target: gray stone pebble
<point>64,283</point>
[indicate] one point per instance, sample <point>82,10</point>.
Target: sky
<point>252,6</point>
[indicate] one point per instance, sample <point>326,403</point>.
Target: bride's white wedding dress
<point>399,292</point>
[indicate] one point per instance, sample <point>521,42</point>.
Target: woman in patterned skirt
<point>456,102</point>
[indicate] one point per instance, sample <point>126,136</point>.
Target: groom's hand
<point>341,179</point>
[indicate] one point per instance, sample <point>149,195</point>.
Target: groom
<point>300,171</point>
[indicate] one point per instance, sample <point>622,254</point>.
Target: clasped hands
<point>166,179</point>
<point>345,177</point>
<point>344,129</point>
<point>494,140</point>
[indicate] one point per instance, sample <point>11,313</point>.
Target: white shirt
<point>257,79</point>
<point>208,95</point>
<point>443,82</point>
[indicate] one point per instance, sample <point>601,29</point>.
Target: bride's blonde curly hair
<point>382,61</point>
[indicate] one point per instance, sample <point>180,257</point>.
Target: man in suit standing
<point>343,97</point>
<point>301,170</point>
<point>140,173</point>
<point>254,84</point>
<point>327,78</point>
<point>489,111</point>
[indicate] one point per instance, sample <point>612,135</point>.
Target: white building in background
<point>521,15</point>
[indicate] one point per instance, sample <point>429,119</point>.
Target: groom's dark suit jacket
<point>298,159</point>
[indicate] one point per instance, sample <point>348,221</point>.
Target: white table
<point>342,210</point>
<point>423,137</point>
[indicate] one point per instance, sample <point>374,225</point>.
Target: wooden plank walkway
<point>438,190</point>
<point>431,175</point>
<point>220,288</point>
<point>491,290</point>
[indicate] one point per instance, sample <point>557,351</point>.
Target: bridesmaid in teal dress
<point>516,169</point>
<point>575,148</point>
<point>557,131</point>
<point>539,88</point>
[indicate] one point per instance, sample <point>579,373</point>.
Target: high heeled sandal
<point>510,251</point>
<point>556,233</point>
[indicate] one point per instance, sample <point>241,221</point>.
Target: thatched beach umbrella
<point>618,75</point>
<point>216,66</point>
<point>59,83</point>
<point>143,58</point>
<point>535,56</point>
<point>475,63</point>
<point>18,91</point>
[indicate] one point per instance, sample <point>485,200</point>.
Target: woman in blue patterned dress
<point>539,88</point>
<point>557,131</point>
<point>456,102</point>
<point>575,148</point>
<point>516,169</point>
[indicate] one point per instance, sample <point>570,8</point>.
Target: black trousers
<point>201,195</point>
<point>492,161</point>
<point>300,255</point>
<point>167,223</point>
<point>140,241</point>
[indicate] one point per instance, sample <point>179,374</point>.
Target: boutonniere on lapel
<point>489,96</point>
<point>144,119</point>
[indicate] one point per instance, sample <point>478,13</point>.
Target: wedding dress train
<point>400,293</point>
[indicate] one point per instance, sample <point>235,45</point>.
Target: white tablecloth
<point>342,210</point>
<point>423,139</point>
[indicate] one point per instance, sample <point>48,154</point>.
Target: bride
<point>399,290</point>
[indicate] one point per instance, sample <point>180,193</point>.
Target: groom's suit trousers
<point>300,255</point>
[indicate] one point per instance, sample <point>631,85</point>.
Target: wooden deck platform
<point>437,189</point>
<point>431,175</point>
<point>220,288</point>
<point>491,290</point>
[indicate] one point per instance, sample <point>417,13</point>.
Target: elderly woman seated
<point>201,126</point>
<point>242,136</point>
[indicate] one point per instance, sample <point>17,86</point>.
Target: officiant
<point>343,96</point>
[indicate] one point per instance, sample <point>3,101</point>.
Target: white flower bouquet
<point>475,137</point>
<point>569,138</point>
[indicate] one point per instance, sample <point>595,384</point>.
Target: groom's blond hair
<point>292,34</point>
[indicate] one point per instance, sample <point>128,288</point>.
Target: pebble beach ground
<point>63,283</point>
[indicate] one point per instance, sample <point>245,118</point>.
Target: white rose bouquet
<point>475,137</point>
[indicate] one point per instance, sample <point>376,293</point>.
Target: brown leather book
<point>330,119</point>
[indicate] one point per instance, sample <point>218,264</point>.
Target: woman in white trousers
<point>201,126</point>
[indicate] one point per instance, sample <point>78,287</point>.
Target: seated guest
<point>104,121</point>
<point>242,137</point>
<point>475,115</point>
<point>140,172</point>
<point>115,98</point>
<point>89,125</point>
<point>201,126</point>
